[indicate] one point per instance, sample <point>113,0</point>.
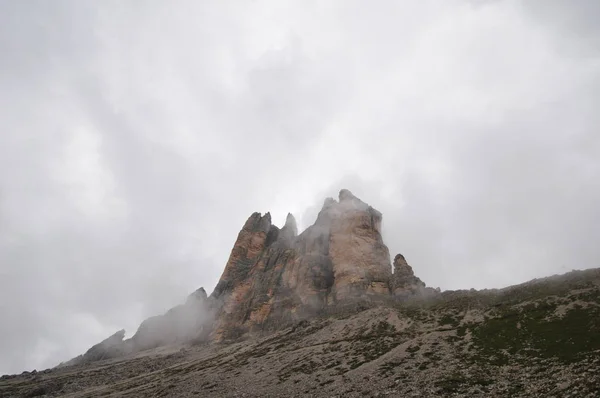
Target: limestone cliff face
<point>361,261</point>
<point>274,276</point>
<point>271,275</point>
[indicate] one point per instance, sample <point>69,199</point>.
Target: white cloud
<point>139,137</point>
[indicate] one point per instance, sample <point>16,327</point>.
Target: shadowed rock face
<point>184,323</point>
<point>274,277</point>
<point>108,348</point>
<point>404,283</point>
<point>111,347</point>
<point>271,275</point>
<point>188,322</point>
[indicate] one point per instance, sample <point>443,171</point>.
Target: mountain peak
<point>290,228</point>
<point>275,277</point>
<point>346,195</point>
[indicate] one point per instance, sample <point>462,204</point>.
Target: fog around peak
<point>138,138</point>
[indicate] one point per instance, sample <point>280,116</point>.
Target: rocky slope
<point>539,339</point>
<point>322,314</point>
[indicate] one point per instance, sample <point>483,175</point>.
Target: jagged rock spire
<point>290,229</point>
<point>404,282</point>
<point>290,222</point>
<point>198,295</point>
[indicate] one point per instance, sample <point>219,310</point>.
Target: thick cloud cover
<point>138,136</point>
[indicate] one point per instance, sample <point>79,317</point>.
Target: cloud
<point>139,137</point>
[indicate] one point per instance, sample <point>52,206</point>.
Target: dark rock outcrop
<point>405,284</point>
<point>184,323</point>
<point>111,347</point>
<point>271,275</point>
<point>108,348</point>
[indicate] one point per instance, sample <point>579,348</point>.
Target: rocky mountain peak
<point>199,295</point>
<point>258,222</point>
<point>290,229</point>
<point>348,199</point>
<point>345,194</point>
<point>404,282</point>
<point>275,277</point>
<point>400,264</point>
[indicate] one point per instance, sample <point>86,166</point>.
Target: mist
<point>138,137</point>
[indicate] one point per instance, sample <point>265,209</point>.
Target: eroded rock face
<point>274,276</point>
<point>361,261</point>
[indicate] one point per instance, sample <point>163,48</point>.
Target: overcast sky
<point>138,136</point>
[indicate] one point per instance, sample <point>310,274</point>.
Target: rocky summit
<point>275,277</point>
<point>326,313</point>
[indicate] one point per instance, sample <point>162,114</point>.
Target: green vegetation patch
<point>456,382</point>
<point>534,331</point>
<point>449,319</point>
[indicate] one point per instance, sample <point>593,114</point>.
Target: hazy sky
<point>138,136</point>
